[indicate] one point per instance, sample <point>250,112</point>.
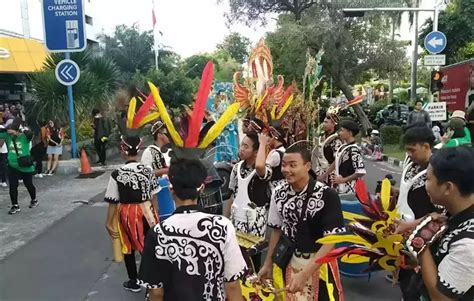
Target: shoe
<point>39,175</point>
<point>34,203</point>
<point>3,184</point>
<point>132,286</point>
<point>20,181</point>
<point>50,173</point>
<point>389,279</point>
<point>14,210</point>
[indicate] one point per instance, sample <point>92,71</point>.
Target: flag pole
<point>155,42</point>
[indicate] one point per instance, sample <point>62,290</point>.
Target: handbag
<point>23,161</point>
<point>285,247</point>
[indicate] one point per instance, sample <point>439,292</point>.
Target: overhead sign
<point>435,42</point>
<point>435,60</point>
<point>437,110</point>
<point>67,72</point>
<point>64,29</point>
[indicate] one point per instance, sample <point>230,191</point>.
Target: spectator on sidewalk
<point>3,161</point>
<point>457,133</point>
<point>102,131</point>
<point>19,164</point>
<point>418,115</point>
<point>55,134</point>
<point>39,148</point>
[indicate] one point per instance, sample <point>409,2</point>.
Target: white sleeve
<point>234,263</point>
<point>112,192</point>
<point>456,270</point>
<point>274,218</point>
<point>147,158</point>
<point>273,159</point>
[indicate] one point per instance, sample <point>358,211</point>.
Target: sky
<point>188,26</point>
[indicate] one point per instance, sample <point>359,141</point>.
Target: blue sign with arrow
<point>64,25</point>
<point>67,72</point>
<point>435,42</point>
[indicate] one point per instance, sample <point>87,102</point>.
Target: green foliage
<point>456,23</point>
<point>375,108</point>
<point>194,65</point>
<point>391,134</point>
<point>175,88</point>
<point>129,48</point>
<point>237,46</point>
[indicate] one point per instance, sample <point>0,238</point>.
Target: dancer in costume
<point>328,144</point>
<point>191,247</point>
<point>349,164</point>
<point>156,155</point>
<point>130,195</point>
<point>303,210</point>
<point>245,215</point>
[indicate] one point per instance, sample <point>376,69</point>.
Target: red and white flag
<point>153,17</point>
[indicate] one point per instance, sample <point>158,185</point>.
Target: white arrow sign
<point>67,72</point>
<point>435,42</point>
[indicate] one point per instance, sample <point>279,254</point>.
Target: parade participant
<point>130,194</point>
<point>413,200</point>
<point>328,144</point>
<point>348,163</point>
<point>20,163</point>
<point>245,216</point>
<point>268,167</point>
<point>448,270</point>
<point>191,247</point>
<point>303,210</point>
<point>156,155</point>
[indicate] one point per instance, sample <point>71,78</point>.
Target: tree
<point>352,47</point>
<point>237,46</point>
<point>129,48</point>
<point>456,23</point>
<point>194,65</point>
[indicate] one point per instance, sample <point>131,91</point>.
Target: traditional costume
<point>323,216</point>
<point>192,247</point>
<point>154,156</point>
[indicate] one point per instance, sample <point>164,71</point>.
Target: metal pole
<point>435,19</point>
<point>414,59</point>
<point>72,121</point>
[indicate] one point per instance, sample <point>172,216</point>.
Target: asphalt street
<point>71,260</point>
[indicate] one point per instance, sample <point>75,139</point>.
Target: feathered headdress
<point>263,99</point>
<point>141,111</point>
<point>196,137</point>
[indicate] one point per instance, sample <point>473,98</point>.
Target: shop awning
<point>18,55</point>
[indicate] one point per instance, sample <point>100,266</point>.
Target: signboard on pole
<point>67,72</point>
<point>64,29</point>
<point>437,110</point>
<point>434,60</point>
<point>435,42</point>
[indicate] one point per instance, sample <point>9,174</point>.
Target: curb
<point>392,161</point>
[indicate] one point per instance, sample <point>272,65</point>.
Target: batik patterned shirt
<point>191,255</point>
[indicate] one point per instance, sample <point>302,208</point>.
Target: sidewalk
<point>59,195</point>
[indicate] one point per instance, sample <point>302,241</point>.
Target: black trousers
<point>13,177</point>
<point>38,151</point>
<point>3,168</point>
<point>129,259</point>
<point>100,148</point>
<point>410,284</point>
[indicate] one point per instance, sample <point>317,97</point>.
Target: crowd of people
<point>202,250</point>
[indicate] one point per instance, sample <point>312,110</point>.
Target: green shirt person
<point>18,145</point>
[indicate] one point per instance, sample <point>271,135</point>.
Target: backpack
<point>259,191</point>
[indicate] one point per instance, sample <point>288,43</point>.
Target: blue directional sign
<point>64,25</point>
<point>435,42</point>
<point>67,72</point>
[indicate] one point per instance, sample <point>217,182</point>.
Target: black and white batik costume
<point>132,187</point>
<point>323,217</point>
<point>349,161</point>
<point>191,255</point>
<point>273,167</point>
<point>245,218</point>
<point>153,157</point>
<point>454,256</point>
<point>327,148</point>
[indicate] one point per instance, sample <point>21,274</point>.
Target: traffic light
<point>436,84</point>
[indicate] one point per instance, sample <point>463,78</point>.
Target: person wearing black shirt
<point>131,196</point>
<point>305,279</point>
<point>413,200</point>
<point>101,135</point>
